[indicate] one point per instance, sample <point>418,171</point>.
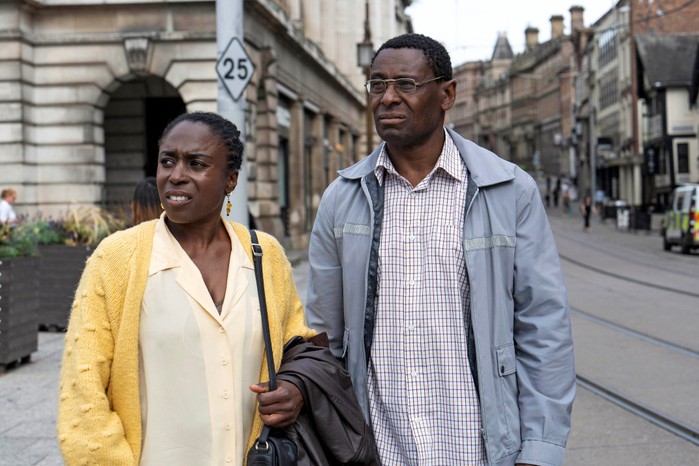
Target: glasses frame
<point>392,82</point>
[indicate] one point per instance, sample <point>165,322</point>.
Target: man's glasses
<point>401,85</point>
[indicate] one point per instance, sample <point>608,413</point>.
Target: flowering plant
<point>85,226</point>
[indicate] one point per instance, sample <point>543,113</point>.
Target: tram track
<point>633,333</point>
<point>682,430</point>
<point>617,397</point>
<point>627,279</point>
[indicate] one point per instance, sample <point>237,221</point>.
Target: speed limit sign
<point>235,68</point>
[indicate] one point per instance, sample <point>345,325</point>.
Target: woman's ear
<point>232,182</point>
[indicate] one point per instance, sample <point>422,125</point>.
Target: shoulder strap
<point>257,261</point>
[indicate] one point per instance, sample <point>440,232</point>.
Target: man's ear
<point>448,94</point>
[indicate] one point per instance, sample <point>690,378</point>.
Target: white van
<point>681,222</point>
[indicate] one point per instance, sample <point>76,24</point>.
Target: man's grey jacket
<point>520,343</point>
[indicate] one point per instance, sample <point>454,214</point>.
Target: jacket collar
<point>484,167</point>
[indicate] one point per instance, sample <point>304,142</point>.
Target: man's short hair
<point>436,55</point>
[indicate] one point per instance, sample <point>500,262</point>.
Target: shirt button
<point>411,238</point>
<point>411,282</point>
<point>226,394</point>
<point>411,327</point>
<point>228,426</point>
<point>221,330</point>
<point>223,362</point>
<point>228,459</point>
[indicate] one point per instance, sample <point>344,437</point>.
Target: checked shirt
<point>423,402</point>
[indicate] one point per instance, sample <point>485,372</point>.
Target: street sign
<point>235,68</point>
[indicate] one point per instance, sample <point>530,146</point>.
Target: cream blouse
<point>196,365</point>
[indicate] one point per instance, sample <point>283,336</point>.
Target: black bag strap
<point>257,261</point>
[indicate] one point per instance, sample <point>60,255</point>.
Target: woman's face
<point>191,177</point>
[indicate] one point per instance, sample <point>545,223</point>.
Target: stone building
<point>493,101</point>
<point>521,106</point>
<point>86,87</point>
<point>606,99</point>
<point>462,115</point>
<point>541,81</point>
<point>627,140</point>
<point>482,109</point>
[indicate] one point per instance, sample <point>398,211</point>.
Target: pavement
<point>602,433</point>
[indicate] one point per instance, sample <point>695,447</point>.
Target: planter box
<point>60,268</point>
<point>19,304</point>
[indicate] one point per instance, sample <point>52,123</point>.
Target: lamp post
<point>365,52</point>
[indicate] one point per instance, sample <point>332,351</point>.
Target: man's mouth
<point>391,119</point>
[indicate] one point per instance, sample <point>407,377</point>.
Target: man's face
<point>409,119</point>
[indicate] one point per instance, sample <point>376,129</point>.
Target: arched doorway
<point>136,114</point>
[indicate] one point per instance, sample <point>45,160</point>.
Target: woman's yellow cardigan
<point>99,415</point>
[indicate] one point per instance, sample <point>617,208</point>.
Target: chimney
<point>576,18</point>
<point>556,26</point>
<point>531,38</point>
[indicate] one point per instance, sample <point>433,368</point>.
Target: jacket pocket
<point>509,408</point>
<point>506,359</point>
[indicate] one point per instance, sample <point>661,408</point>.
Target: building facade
<point>86,88</point>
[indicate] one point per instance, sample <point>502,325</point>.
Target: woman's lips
<point>177,199</point>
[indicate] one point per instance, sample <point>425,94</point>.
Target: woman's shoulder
<point>122,242</point>
<point>270,245</point>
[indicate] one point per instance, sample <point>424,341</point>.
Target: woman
<point>145,204</point>
<point>164,344</point>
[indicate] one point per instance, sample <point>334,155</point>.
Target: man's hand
<point>281,407</point>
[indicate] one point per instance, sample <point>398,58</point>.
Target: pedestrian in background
<point>165,338</point>
<point>7,211</point>
<point>586,210</point>
<point>565,198</point>
<point>145,204</point>
<point>434,272</point>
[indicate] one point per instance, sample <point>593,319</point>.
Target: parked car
<point>681,222</point>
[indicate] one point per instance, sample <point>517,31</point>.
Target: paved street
<point>602,433</point>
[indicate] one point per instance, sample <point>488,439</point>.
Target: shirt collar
<point>168,253</point>
<point>449,161</point>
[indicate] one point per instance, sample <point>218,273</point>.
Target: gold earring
<point>161,206</point>
<point>228,205</point>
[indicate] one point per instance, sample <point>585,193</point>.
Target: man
<point>435,274</point>
<point>7,213</point>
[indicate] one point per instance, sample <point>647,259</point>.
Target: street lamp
<point>365,52</point>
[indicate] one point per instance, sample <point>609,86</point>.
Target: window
<point>607,45</point>
<point>683,157</point>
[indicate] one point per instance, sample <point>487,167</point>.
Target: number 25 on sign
<point>235,68</point>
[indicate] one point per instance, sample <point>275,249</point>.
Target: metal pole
<point>367,73</point>
<point>593,154</point>
<point>229,24</point>
<point>369,119</point>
